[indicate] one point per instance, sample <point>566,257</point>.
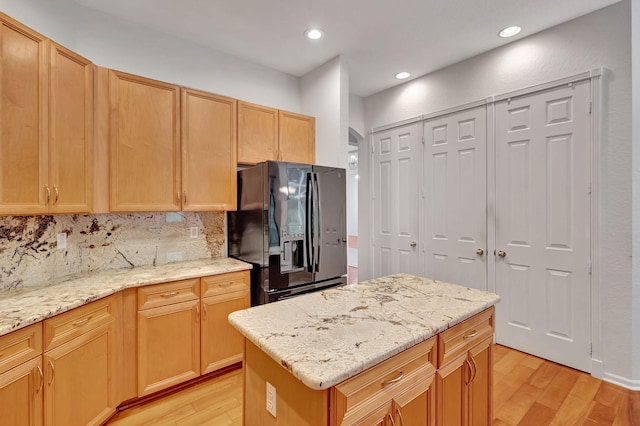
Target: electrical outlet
<point>174,256</point>
<point>271,399</point>
<point>61,241</point>
<point>193,232</point>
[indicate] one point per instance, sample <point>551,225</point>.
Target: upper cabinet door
<point>208,151</point>
<point>70,132</point>
<point>297,137</point>
<point>257,133</point>
<point>23,119</point>
<point>144,143</point>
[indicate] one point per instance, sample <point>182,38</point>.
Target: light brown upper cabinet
<point>257,133</point>
<point>70,132</point>
<point>269,134</point>
<point>144,141</point>
<point>45,137</point>
<point>296,137</point>
<point>208,151</point>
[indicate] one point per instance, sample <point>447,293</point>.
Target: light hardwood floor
<point>527,391</point>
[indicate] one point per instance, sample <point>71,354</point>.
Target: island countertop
<point>327,337</point>
<point>25,306</point>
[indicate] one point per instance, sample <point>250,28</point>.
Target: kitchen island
<point>393,350</point>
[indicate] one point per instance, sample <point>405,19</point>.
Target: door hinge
<point>590,106</point>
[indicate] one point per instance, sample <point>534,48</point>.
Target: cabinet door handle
<point>469,372</point>
<point>41,376</point>
<point>170,294</point>
<point>471,335</point>
<point>53,373</point>
<point>46,188</point>
<point>84,321</point>
<point>399,413</point>
<point>204,311</point>
<point>55,189</point>
<point>197,312</point>
<point>393,422</point>
<point>396,380</point>
<point>184,196</point>
<point>475,368</point>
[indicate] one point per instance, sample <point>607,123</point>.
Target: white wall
<point>115,43</point>
<point>356,114</point>
<point>602,38</point>
<point>325,93</point>
<point>635,51</point>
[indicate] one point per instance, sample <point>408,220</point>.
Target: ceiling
<point>376,38</point>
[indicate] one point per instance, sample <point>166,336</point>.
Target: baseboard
<point>630,384</point>
<point>597,368</point>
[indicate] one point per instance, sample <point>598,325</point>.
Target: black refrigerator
<point>290,223</point>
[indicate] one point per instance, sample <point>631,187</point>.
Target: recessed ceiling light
<point>314,33</point>
<point>402,75</point>
<point>509,31</point>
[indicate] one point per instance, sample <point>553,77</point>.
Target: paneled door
<point>396,188</point>
<point>455,206</point>
<point>543,224</point>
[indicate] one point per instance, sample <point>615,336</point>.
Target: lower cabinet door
<point>222,345</point>
<point>80,379</point>
<point>416,405</point>
<point>168,346</point>
<point>480,388</point>
<point>452,396</point>
<point>21,394</point>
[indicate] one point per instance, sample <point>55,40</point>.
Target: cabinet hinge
<point>589,188</point>
<point>590,106</point>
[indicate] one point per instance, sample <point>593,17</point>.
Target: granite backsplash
<point>29,253</point>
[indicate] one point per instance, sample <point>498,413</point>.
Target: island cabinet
<point>464,379</point>
<point>21,377</point>
<point>399,391</point>
<point>266,133</point>
<point>46,108</point>
<point>80,364</point>
<point>444,380</point>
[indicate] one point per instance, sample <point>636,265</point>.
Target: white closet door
<point>543,224</point>
<point>455,204</point>
<point>396,177</point>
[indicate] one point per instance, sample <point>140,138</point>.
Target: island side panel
<point>296,404</point>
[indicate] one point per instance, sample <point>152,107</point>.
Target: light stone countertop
<point>326,337</point>
<point>22,307</point>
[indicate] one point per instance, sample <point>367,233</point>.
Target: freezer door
<point>332,213</point>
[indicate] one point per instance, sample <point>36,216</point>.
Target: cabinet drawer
<point>66,326</point>
<point>168,293</point>
<point>20,346</point>
<point>462,337</point>
<point>225,283</point>
<point>379,384</point>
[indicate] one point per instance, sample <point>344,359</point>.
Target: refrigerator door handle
<point>309,213</point>
<point>318,222</point>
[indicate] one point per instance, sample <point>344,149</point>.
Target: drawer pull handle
<point>170,294</point>
<point>84,321</point>
<point>41,379</point>
<point>396,380</point>
<point>471,335</point>
<point>227,284</point>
